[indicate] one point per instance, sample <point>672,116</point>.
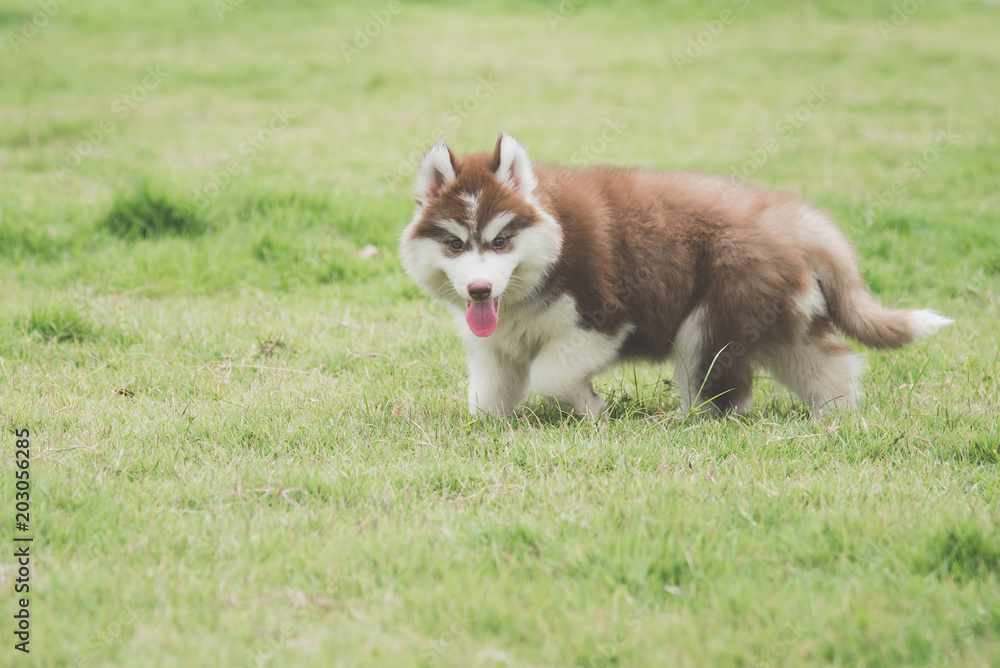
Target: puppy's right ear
<point>436,171</point>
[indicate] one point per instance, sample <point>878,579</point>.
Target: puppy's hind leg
<point>820,368</point>
<point>716,375</point>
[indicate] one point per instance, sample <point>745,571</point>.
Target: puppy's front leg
<point>564,367</point>
<point>497,384</point>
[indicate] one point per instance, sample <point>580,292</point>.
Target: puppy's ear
<point>512,165</point>
<point>436,171</point>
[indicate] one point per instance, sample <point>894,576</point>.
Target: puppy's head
<point>479,239</point>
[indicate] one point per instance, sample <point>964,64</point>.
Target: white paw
<point>593,408</point>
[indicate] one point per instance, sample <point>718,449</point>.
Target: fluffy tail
<point>854,310</point>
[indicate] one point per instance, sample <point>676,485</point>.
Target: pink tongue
<point>482,317</point>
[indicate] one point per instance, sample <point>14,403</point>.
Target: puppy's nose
<point>480,291</point>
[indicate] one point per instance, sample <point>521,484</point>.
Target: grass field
<point>249,431</point>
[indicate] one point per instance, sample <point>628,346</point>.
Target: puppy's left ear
<point>512,165</point>
<point>436,171</point>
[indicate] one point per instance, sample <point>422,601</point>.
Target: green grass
<point>143,214</point>
<point>250,439</point>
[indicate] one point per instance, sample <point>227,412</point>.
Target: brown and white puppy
<point>555,274</point>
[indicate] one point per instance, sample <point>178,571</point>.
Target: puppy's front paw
<point>593,408</point>
<point>479,411</point>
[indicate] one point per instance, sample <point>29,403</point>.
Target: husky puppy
<point>555,274</point>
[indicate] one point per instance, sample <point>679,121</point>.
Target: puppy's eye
<point>500,242</point>
<point>455,244</point>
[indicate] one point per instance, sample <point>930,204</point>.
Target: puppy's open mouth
<point>482,317</point>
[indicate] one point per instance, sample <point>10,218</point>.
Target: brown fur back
<point>647,247</point>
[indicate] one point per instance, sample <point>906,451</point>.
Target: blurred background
<point>250,437</point>
<point>237,106</point>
